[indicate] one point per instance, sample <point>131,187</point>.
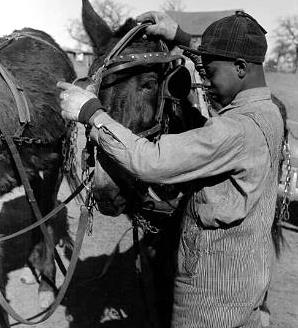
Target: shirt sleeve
<point>211,150</point>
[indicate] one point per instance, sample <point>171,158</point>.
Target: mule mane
<point>39,34</point>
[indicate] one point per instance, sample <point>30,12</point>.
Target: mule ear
<point>96,28</point>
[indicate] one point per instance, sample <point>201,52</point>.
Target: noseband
<point>176,71</point>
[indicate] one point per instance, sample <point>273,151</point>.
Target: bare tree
<point>286,36</point>
<point>173,5</point>
<point>77,33</point>
<point>111,11</point>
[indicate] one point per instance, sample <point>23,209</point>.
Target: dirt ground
<point>115,300</point>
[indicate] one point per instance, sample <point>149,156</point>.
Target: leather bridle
<point>116,62</point>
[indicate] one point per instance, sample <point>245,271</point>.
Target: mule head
<point>130,96</point>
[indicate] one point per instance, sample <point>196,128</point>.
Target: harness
<point>169,90</point>
<point>11,142</point>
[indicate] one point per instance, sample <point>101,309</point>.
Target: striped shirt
<point>226,253</point>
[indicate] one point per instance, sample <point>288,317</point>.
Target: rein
<point>83,222</point>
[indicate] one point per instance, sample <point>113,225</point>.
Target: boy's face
<point>221,80</point>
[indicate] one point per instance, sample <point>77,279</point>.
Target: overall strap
<point>267,129</point>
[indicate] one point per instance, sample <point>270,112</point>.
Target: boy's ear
<point>241,66</point>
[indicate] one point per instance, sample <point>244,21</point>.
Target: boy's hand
<point>72,100</point>
<point>164,26</point>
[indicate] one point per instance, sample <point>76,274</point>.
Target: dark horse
<point>130,98</point>
<point>36,63</point>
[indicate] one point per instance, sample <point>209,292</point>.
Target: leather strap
<point>78,242</point>
<point>56,210</point>
<point>18,94</point>
<point>74,258</point>
<point>159,58</point>
<point>113,57</point>
<point>29,192</point>
<point>125,40</point>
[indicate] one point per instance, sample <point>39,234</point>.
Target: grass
<point>285,87</point>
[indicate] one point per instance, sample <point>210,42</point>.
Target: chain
<point>69,152</point>
<point>284,212</point>
<point>144,224</point>
<point>69,144</point>
<point>27,140</point>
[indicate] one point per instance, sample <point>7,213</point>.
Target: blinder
<point>178,83</point>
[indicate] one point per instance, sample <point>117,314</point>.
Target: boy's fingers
<point>65,85</point>
<point>91,88</point>
<point>153,16</point>
<point>151,30</point>
<point>63,96</point>
<point>143,17</point>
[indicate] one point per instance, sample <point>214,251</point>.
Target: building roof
<point>77,51</point>
<point>195,23</point>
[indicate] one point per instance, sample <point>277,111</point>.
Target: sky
<point>53,16</point>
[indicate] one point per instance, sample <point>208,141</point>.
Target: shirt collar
<point>248,96</point>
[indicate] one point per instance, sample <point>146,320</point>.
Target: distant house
<point>81,60</point>
<point>195,23</point>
